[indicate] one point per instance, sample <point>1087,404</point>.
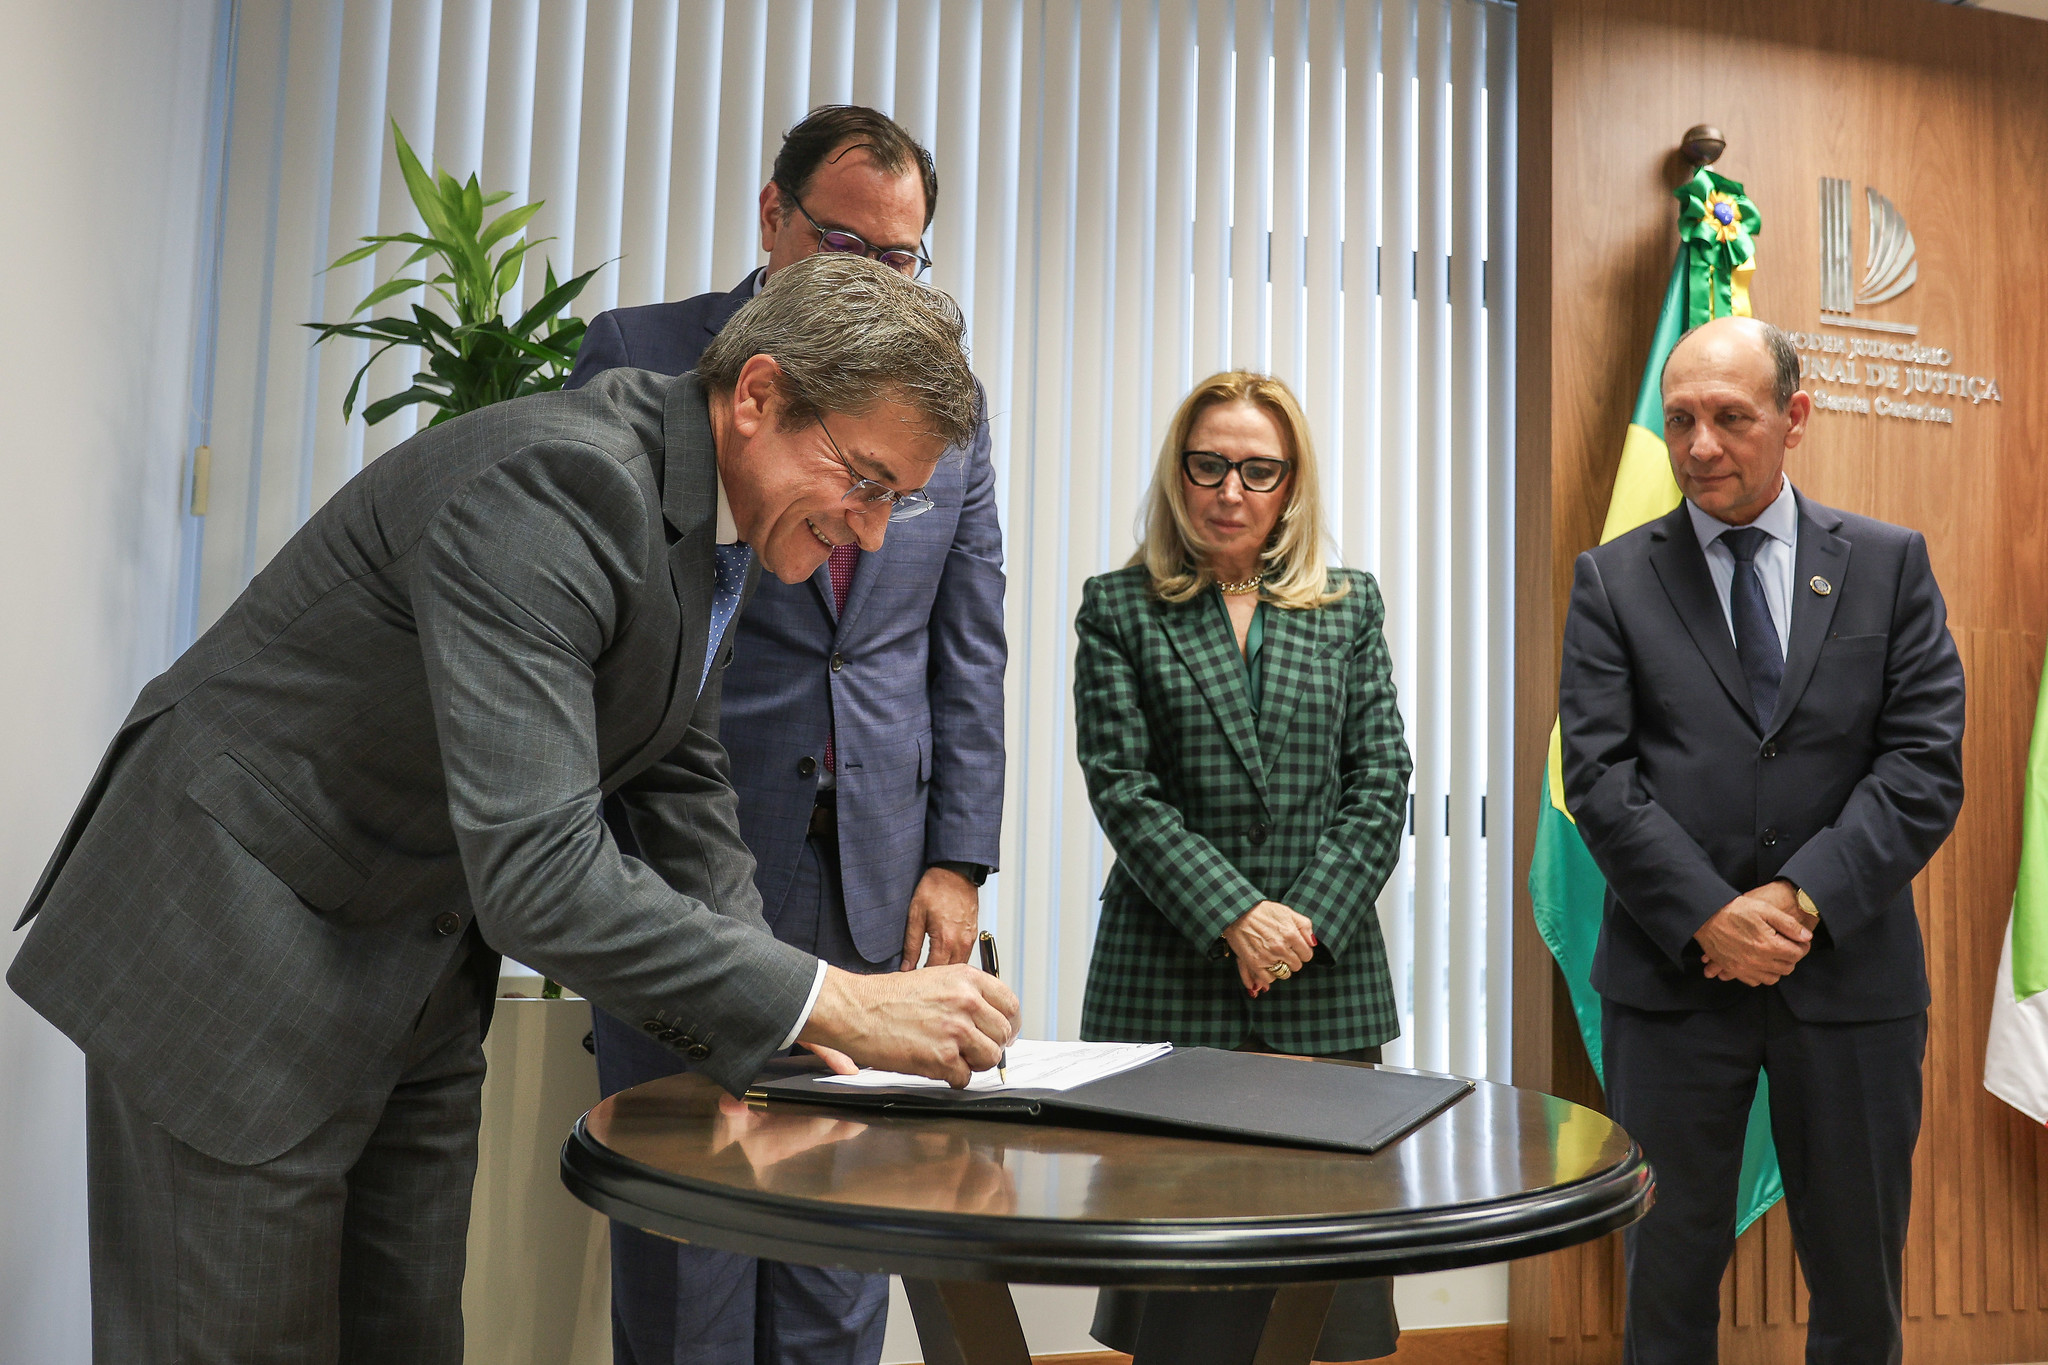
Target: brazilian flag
<point>1717,230</point>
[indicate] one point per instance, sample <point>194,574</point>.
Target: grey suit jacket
<point>410,720</point>
<point>1686,797</point>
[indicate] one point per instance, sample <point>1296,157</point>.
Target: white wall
<point>105,106</point>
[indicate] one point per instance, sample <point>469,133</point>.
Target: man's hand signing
<point>1757,938</point>
<point>942,1022</point>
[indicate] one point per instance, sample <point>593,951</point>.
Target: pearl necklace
<point>1242,586</point>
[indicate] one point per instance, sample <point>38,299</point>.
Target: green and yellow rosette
<point>1717,228</point>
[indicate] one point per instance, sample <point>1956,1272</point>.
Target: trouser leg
<point>676,1304</point>
<point>197,1261</point>
<point>1682,1082</point>
<point>406,1231</point>
<point>812,1315</point>
<point>1845,1115</point>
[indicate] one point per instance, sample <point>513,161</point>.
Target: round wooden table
<point>963,1207</point>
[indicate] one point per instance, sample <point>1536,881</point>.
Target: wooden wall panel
<point>1941,110</point>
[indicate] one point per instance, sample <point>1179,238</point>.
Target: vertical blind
<point>1134,194</point>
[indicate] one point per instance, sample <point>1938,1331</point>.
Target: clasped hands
<point>1267,938</point>
<point>1757,938</point>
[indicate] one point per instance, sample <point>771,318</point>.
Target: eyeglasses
<point>866,493</point>
<point>902,260</point>
<point>1207,469</point>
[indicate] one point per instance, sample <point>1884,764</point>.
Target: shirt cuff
<point>804,1015</point>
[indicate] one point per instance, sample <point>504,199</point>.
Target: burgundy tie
<point>840,566</point>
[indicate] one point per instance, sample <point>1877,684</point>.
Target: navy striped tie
<point>1756,635</point>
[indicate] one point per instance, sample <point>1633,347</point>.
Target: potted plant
<point>471,357</point>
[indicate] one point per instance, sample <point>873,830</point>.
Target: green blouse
<point>1254,647</point>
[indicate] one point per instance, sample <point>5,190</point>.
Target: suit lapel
<point>1287,662</point>
<point>689,504</point>
<point>1681,567</point>
<point>1820,553</point>
<point>1201,637</point>
<point>821,579</point>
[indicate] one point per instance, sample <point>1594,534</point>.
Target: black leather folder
<point>1197,1091</point>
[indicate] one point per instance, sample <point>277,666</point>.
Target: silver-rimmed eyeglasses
<point>866,493</point>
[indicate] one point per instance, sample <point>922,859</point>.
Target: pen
<point>989,965</point>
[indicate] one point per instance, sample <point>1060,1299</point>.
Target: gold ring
<point>1281,971</point>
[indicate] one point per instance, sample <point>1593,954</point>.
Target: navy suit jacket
<point>913,670</point>
<point>1686,798</point>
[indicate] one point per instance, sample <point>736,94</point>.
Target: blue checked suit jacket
<point>1212,809</point>
<point>913,670</point>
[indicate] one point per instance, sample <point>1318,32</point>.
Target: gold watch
<point>1805,901</point>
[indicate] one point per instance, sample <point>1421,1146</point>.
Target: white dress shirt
<point>1780,524</point>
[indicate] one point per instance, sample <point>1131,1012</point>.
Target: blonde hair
<point>1293,563</point>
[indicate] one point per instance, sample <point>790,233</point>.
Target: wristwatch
<point>973,872</point>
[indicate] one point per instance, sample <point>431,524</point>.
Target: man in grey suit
<point>1762,716</point>
<point>273,924</point>
<point>863,713</point>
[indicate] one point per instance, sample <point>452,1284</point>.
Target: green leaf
<point>361,253</point>
<point>546,354</point>
<point>556,299</point>
<point>433,324</point>
<point>505,224</point>
<point>496,197</point>
<point>420,186</point>
<point>384,407</point>
<point>386,290</point>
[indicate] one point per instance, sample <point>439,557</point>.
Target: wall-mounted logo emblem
<point>1890,261</point>
<point>1893,374</point>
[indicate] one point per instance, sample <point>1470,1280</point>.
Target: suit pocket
<point>273,833</point>
<point>1836,645</point>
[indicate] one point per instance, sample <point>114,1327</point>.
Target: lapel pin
<point>1820,585</point>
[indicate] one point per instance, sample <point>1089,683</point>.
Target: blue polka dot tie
<point>1756,635</point>
<point>731,576</point>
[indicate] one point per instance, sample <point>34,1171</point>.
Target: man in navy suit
<point>863,714</point>
<point>1762,714</point>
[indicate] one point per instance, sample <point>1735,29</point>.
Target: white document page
<point>1033,1065</point>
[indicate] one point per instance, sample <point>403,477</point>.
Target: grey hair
<point>1784,361</point>
<point>848,333</point>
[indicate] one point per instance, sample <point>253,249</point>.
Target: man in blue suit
<point>863,713</point>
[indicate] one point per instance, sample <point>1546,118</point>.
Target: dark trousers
<point>677,1304</point>
<point>347,1249</point>
<point>1165,1324</point>
<point>1845,1113</point>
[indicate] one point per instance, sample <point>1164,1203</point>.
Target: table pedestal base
<point>970,1322</point>
<point>966,1322</point>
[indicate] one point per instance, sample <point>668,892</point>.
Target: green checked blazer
<point>1212,808</point>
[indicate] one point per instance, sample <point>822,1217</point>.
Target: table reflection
<point>1497,1143</point>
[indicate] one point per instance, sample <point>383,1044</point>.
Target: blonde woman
<point>1237,726</point>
